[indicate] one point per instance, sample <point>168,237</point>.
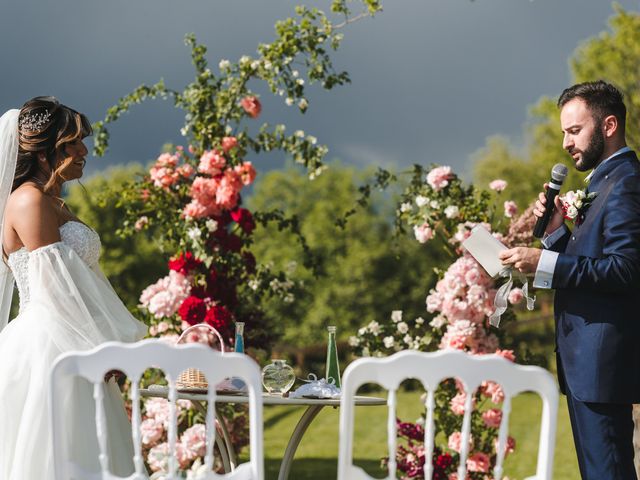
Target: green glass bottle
<point>333,369</point>
<point>239,342</point>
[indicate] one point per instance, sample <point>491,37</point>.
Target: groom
<point>595,271</point>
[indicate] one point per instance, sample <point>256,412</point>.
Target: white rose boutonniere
<point>575,204</point>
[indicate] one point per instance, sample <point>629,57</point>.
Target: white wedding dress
<point>66,303</point>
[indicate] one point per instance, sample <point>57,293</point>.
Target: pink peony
<point>228,143</point>
<point>498,185</point>
<point>151,431</point>
<point>439,177</point>
<point>515,296</point>
<point>252,106</point>
<point>423,233</point>
<point>492,417</point>
<point>212,163</point>
<point>455,441</point>
<point>479,462</point>
<point>510,209</point>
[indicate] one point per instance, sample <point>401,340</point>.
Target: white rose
<point>211,225</point>
<point>421,201</point>
<point>572,212</point>
<point>408,339</point>
<point>452,211</point>
<point>434,204</point>
<point>354,341</point>
<point>419,320</point>
<point>194,233</point>
<point>403,327</point>
<point>578,203</point>
<point>388,342</point>
<point>438,321</point>
<point>396,316</point>
<point>374,327</point>
<point>405,207</point>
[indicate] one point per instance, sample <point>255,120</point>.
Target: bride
<point>66,303</point>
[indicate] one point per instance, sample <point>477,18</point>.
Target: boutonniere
<point>575,204</point>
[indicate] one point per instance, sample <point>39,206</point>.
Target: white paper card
<point>485,248</point>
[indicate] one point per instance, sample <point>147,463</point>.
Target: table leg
<point>227,440</point>
<point>304,422</point>
<point>225,453</point>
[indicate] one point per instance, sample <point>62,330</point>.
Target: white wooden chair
<point>431,369</point>
<point>133,359</point>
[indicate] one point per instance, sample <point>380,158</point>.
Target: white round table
<point>314,405</point>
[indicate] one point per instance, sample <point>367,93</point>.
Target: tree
<point>612,56</point>
<point>363,271</point>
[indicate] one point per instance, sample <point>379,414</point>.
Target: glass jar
<point>278,377</point>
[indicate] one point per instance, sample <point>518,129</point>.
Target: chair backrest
<point>133,359</point>
<point>431,369</point>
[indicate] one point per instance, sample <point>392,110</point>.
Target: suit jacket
<point>597,283</point>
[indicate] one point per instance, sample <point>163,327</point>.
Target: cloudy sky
<point>431,79</point>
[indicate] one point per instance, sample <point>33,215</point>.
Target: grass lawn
<point>316,458</point>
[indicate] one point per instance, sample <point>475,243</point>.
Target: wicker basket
<point>193,378</point>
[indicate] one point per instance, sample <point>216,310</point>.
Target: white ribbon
<point>502,296</point>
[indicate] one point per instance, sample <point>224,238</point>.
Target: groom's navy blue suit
<point>597,300</point>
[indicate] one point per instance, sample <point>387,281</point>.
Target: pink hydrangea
<point>439,177</point>
<point>423,233</point>
<point>510,209</point>
<point>194,441</point>
<point>455,442</point>
<point>163,298</point>
<point>492,417</point>
<point>151,430</point>
<point>516,295</point>
<point>479,462</point>
<point>212,162</point>
<point>498,185</point>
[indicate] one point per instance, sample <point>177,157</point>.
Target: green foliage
<point>613,56</point>
<point>129,263</point>
<point>363,272</point>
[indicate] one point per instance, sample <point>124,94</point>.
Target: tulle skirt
<point>28,347</point>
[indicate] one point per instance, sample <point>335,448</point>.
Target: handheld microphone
<point>558,174</point>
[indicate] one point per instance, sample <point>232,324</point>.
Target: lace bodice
<point>84,241</point>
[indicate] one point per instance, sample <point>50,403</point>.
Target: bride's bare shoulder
<point>28,198</point>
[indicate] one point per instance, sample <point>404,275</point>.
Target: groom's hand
<point>557,219</point>
<point>523,259</point>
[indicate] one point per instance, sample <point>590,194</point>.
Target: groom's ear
<point>610,126</point>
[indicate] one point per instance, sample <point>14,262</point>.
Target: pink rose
<point>194,441</point>
<point>142,222</point>
<point>439,177</point>
<point>196,210</point>
<point>515,296</point>
<point>246,172</point>
<point>252,106</point>
<point>203,190</point>
<point>185,170</point>
<point>492,417</point>
<point>423,233</point>
<point>508,354</point>
<point>455,442</point>
<point>479,462</point>
<point>498,185</point>
<point>167,160</point>
<point>457,403</point>
<point>212,162</point>
<point>158,458</point>
<point>228,143</point>
<point>493,390</point>
<point>510,447</point>
<point>163,177</point>
<point>510,208</point>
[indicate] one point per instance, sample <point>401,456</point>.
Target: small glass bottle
<point>333,369</point>
<point>278,377</point>
<point>239,341</point>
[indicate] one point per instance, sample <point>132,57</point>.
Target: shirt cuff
<point>553,237</point>
<point>546,267</point>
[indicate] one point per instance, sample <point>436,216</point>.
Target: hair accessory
<point>33,122</point>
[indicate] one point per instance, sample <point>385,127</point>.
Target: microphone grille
<point>559,172</point>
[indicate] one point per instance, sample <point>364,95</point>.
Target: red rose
<point>193,310</point>
<point>251,105</point>
<point>243,217</point>
<point>219,318</point>
<point>184,263</point>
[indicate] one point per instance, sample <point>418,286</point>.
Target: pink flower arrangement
<point>439,177</point>
<point>498,185</point>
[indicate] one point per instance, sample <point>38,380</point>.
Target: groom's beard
<point>593,153</point>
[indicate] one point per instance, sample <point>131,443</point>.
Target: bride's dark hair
<point>46,126</point>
